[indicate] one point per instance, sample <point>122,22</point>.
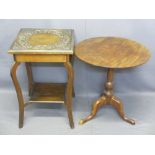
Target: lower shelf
<point>48,93</point>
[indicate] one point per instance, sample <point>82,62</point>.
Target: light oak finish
<point>111,53</point>
<point>39,47</point>
<point>43,39</point>
<point>40,58</point>
<point>69,91</point>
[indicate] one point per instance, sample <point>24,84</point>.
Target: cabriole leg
<point>116,102</point>
<point>19,93</point>
<point>69,90</point>
<point>100,102</point>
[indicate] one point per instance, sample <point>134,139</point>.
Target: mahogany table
<point>111,53</point>
<point>44,45</point>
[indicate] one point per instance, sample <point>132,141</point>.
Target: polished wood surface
<point>111,52</point>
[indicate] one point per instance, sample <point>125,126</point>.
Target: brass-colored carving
<point>43,41</point>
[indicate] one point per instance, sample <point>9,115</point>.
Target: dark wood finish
<point>44,93</point>
<point>72,62</point>
<point>48,93</point>
<point>43,45</point>
<point>30,77</point>
<point>111,53</point>
<point>108,98</point>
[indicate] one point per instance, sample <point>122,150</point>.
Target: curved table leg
<point>69,92</point>
<point>73,92</point>
<point>72,62</point>
<point>19,93</point>
<point>116,102</point>
<point>30,77</point>
<point>108,98</point>
<point>100,102</point>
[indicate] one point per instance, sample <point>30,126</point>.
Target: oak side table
<point>44,45</point>
<point>111,53</point>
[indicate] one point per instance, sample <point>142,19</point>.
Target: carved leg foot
<point>119,107</point>
<point>100,102</point>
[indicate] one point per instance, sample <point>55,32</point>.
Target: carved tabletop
<point>111,52</point>
<point>43,41</point>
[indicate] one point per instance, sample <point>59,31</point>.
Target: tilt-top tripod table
<point>50,46</point>
<point>111,53</point>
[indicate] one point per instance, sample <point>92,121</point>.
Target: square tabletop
<point>43,41</point>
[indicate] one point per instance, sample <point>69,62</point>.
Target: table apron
<point>41,58</point>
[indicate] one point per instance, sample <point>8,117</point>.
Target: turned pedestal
<point>108,98</point>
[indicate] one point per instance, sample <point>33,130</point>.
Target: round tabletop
<point>112,52</point>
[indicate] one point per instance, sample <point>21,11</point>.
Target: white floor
<point>52,118</point>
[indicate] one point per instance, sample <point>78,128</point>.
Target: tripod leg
<point>117,103</point>
<point>100,102</point>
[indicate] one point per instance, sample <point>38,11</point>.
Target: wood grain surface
<point>48,93</point>
<point>111,52</point>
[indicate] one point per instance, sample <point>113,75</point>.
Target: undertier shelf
<point>48,93</point>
